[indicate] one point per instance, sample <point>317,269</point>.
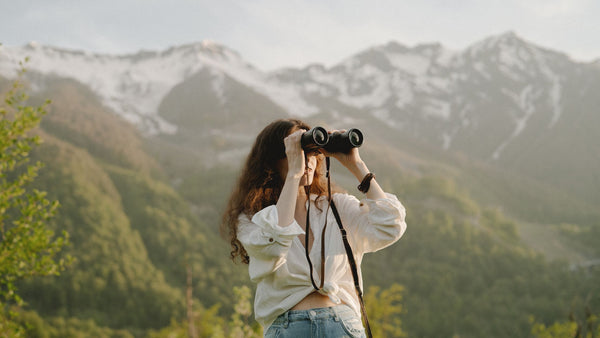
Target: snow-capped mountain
<point>503,100</point>
<point>133,86</point>
<point>440,95</point>
<point>426,90</point>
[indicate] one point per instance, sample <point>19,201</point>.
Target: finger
<point>298,132</point>
<point>293,137</point>
<point>294,134</point>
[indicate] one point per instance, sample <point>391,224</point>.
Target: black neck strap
<point>347,247</point>
<point>349,253</point>
<point>306,241</point>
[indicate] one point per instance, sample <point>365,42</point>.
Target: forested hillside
<point>132,233</point>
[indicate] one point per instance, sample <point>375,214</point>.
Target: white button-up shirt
<point>278,261</point>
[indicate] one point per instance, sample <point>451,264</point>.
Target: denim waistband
<point>312,314</point>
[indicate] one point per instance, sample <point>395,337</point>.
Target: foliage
<point>556,330</point>
<point>384,308</point>
<point>28,247</point>
<point>210,325</point>
<point>9,325</point>
<point>586,328</point>
<point>34,326</point>
<point>113,281</point>
<point>239,325</point>
<point>171,233</point>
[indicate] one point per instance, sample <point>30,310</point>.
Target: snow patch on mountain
<point>410,63</point>
<point>555,89</point>
<point>526,102</point>
<point>367,87</point>
<point>217,83</point>
<point>403,91</point>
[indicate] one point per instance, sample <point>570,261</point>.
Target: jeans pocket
<point>353,326</point>
<point>272,332</point>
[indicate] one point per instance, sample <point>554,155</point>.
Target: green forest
<point>136,251</point>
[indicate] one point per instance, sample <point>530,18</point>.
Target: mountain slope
<point>112,273</point>
<point>132,234</point>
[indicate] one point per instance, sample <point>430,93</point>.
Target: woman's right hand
<point>294,154</point>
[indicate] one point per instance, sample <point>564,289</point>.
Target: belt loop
<point>286,319</point>
<point>336,317</point>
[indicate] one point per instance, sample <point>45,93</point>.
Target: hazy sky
<point>276,33</point>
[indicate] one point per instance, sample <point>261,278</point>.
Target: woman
<point>266,221</point>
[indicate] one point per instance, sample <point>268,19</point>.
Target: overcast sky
<point>276,33</point>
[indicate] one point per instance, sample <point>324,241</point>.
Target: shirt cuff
<point>267,219</point>
<point>385,208</point>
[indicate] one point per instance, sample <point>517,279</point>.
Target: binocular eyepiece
<point>337,142</point>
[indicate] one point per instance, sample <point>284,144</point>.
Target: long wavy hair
<point>259,184</point>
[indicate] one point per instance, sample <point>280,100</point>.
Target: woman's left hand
<point>357,167</point>
<point>349,159</point>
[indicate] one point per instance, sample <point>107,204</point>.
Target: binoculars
<point>337,142</point>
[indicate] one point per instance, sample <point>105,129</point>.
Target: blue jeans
<point>336,321</point>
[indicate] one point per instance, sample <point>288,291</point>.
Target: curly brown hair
<point>259,184</point>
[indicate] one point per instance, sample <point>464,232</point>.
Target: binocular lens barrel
<point>337,142</point>
<point>344,142</point>
<point>314,139</point>
<point>355,137</point>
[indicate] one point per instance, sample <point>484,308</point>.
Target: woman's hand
<point>348,160</point>
<point>294,154</point>
<point>357,167</point>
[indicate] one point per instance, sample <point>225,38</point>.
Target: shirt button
<point>270,239</point>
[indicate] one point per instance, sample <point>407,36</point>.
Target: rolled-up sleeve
<point>266,242</point>
<point>372,224</point>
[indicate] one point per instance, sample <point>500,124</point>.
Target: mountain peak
<point>509,38</point>
<point>510,34</point>
<point>505,41</point>
<point>394,47</point>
